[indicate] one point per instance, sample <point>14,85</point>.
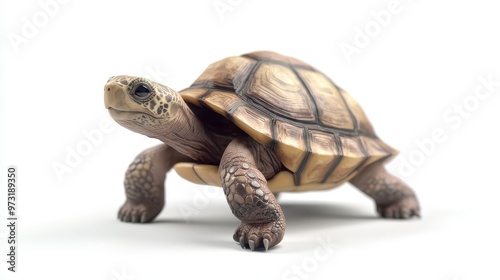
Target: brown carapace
<point>256,125</point>
<point>320,134</point>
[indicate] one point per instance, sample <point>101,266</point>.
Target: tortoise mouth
<point>127,115</point>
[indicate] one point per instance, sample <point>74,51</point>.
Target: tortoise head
<point>139,104</point>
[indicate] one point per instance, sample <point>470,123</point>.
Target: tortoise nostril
<point>109,89</point>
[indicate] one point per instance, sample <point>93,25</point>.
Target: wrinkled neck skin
<point>186,134</point>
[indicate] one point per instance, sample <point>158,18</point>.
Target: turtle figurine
<point>256,125</point>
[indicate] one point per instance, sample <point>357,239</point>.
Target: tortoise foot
<point>138,212</point>
<point>404,208</point>
<point>259,235</point>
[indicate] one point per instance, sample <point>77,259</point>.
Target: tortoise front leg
<point>244,182</point>
<point>394,199</point>
<point>144,183</point>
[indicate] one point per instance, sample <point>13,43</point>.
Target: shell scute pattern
<point>314,126</point>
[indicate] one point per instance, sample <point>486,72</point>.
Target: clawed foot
<point>402,209</point>
<point>138,212</point>
<point>255,236</point>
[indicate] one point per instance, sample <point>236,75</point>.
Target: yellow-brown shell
<point>319,132</point>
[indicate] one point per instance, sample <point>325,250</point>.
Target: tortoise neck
<point>186,134</point>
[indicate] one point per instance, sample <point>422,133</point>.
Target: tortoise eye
<point>141,91</point>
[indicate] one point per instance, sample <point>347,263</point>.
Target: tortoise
<point>256,125</point>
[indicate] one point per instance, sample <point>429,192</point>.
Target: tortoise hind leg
<point>394,199</point>
<point>144,183</point>
<point>251,201</point>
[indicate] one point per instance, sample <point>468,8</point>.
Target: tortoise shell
<point>320,133</point>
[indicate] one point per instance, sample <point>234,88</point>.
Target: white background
<point>425,61</point>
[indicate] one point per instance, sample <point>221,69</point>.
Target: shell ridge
<point>275,61</point>
<point>241,89</point>
<point>203,96</point>
<point>274,115</point>
<point>309,93</point>
<point>363,162</point>
<point>353,118</point>
<point>303,163</point>
<point>273,143</point>
<point>338,159</point>
<point>235,107</point>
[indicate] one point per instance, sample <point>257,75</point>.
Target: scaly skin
<point>250,200</point>
<point>144,183</point>
<point>394,199</point>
